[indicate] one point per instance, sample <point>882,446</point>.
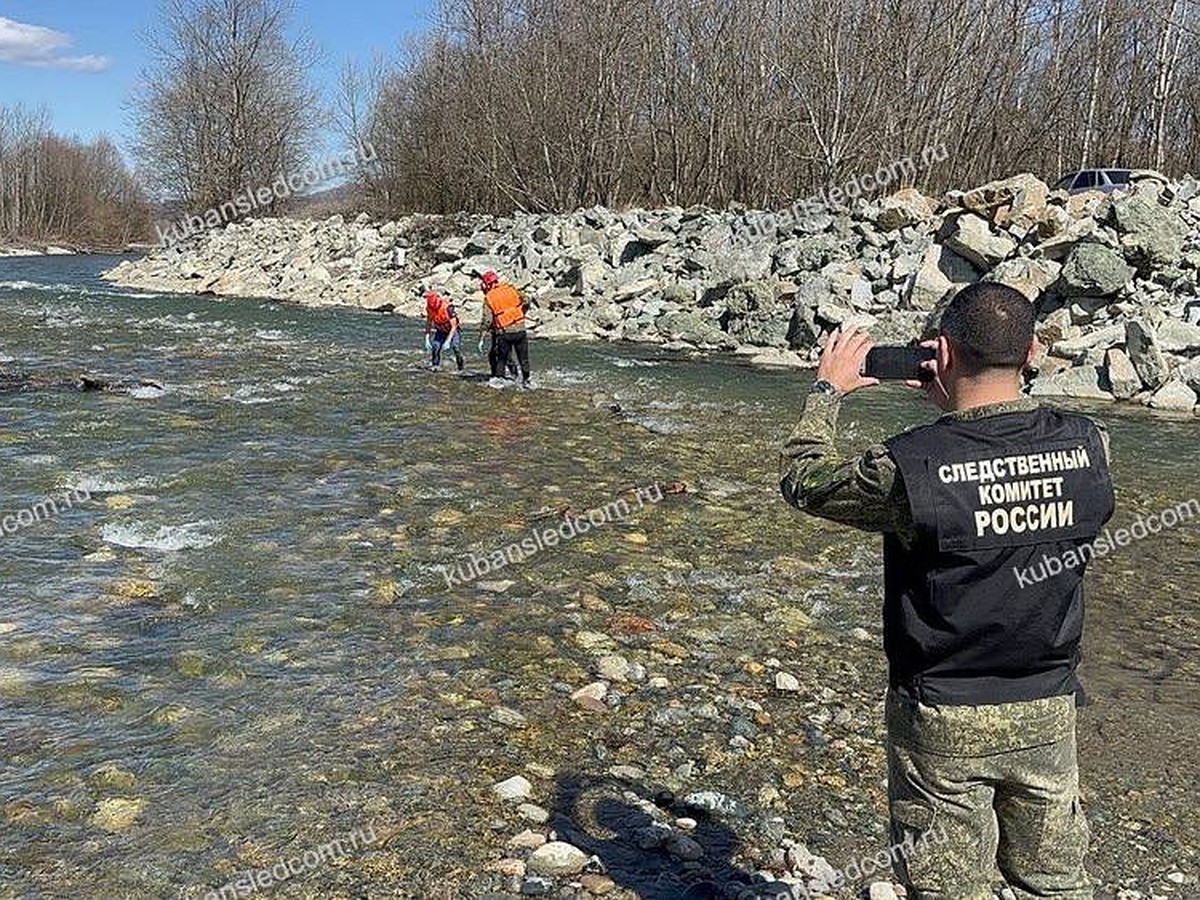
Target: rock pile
<point>1114,277</point>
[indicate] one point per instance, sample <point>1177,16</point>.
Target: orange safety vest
<point>505,304</point>
<point>440,318</point>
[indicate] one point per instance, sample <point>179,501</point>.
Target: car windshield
<point>1118,176</point>
<point>1085,179</point>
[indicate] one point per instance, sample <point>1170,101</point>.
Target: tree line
<point>556,104</point>
<point>56,189</point>
<point>553,104</point>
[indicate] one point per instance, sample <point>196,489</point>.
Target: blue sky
<point>81,58</point>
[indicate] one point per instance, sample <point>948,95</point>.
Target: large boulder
<point>1123,378</point>
<point>941,271</point>
<point>1020,195</point>
<point>1151,234</point>
<point>1078,383</point>
<point>1141,345</point>
<point>1174,396</point>
<point>1175,336</point>
<point>750,315</point>
<point>1100,339</point>
<point>1094,270</point>
<point>1189,374</point>
<point>1029,276</point>
<point>906,207</point>
<point>972,238</point>
<point>694,329</point>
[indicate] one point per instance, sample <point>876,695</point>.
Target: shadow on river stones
<point>625,825</point>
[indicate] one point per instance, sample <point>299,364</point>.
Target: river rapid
<point>239,644</point>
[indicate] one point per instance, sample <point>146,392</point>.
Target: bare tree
<point>55,189</point>
<point>225,104</point>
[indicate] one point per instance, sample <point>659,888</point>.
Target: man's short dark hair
<point>991,326</point>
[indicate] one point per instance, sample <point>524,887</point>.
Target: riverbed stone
<point>557,858</point>
<point>118,813</point>
<point>517,787</point>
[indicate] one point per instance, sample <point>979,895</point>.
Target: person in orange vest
<point>504,318</point>
<point>442,329</point>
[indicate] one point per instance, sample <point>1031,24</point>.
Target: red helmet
<point>432,301</point>
<point>489,279</point>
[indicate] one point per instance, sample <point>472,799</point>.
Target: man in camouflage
<point>982,692</point>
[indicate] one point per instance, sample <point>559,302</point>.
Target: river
<point>239,644</point>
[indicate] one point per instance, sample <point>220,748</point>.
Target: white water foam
<point>146,392</point>
<point>190,536</point>
<point>634,363</point>
<point>102,484</point>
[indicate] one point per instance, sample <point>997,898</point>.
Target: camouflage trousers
<point>973,789</point>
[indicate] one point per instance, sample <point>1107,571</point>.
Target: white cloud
<point>33,45</point>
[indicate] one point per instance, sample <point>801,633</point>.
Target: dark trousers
<point>441,341</point>
<point>505,344</point>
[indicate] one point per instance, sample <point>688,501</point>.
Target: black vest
<point>987,605</point>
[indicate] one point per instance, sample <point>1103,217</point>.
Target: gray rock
<point>1151,234</point>
<point>929,285</point>
<point>1029,276</point>
<point>536,887</point>
<point>1141,345</point>
<point>683,847</point>
<point>785,681</point>
<point>1093,270</point>
<point>1101,338</point>
<point>695,329</point>
<point>806,254</point>
<point>1175,336</point>
<point>1122,376</point>
<point>1189,374</point>
<point>906,207</point>
<point>515,788</point>
<point>1080,383</point>
<point>1174,396</point>
<point>533,813</point>
<point>557,858</point>
<point>971,238</point>
<point>715,802</point>
<point>508,717</point>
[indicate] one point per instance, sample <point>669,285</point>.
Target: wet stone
<point>536,887</point>
<point>785,681</point>
<point>529,840</point>
<point>591,697</point>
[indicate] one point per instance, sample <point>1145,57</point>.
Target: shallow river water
<point>239,645</point>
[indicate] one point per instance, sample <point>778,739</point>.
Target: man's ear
<point>1035,350</point>
<point>945,354</point>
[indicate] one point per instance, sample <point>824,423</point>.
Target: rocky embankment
<point>1115,277</point>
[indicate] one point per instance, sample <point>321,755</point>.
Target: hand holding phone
<point>899,363</point>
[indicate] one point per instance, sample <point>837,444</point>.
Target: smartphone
<point>899,363</point>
